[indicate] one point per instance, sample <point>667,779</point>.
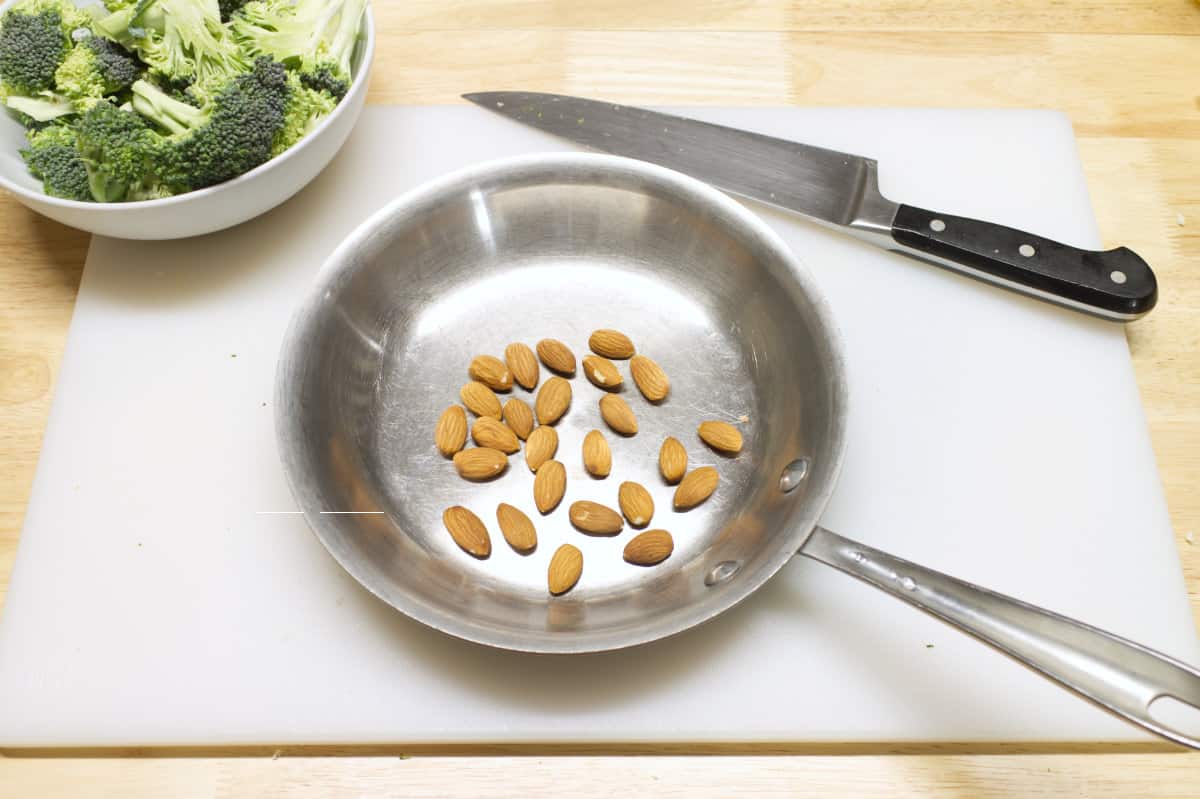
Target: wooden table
<point>1124,70</point>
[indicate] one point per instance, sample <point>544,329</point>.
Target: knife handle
<point>1115,284</point>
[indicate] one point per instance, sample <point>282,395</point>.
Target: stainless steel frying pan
<point>558,245</point>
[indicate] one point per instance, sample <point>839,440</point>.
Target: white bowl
<point>204,210</point>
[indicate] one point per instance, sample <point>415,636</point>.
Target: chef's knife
<point>842,190</point>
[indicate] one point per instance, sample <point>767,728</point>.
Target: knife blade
<point>841,190</point>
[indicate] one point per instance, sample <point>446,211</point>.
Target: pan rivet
<point>937,226</point>
<point>793,474</point>
<point>722,572</point>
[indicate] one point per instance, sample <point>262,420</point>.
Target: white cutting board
<point>991,436</point>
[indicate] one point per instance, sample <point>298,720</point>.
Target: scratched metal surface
<point>558,246</point>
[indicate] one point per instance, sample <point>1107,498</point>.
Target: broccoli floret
<point>94,68</point>
<point>228,7</point>
<point>120,152</point>
<point>119,67</point>
<point>231,134</point>
<point>317,37</point>
<point>31,48</point>
<point>304,111</point>
<point>52,158</point>
<point>35,38</point>
<point>323,79</point>
<point>180,40</point>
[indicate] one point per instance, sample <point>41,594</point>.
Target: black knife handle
<point>1116,284</point>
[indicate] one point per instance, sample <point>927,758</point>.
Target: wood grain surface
<point>1125,73</point>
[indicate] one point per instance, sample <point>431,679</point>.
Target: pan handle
<point>1118,675</point>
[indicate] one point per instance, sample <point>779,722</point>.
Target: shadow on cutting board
<point>265,253</point>
<point>553,682</point>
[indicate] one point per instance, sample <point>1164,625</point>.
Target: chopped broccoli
<point>141,99</point>
<point>315,36</point>
<point>119,151</point>
<point>179,39</point>
<point>95,68</point>
<point>304,111</point>
<point>52,158</point>
<point>231,134</point>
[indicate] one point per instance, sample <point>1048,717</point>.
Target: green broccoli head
<point>230,135</point>
<point>228,7</point>
<point>179,40</point>
<point>315,36</point>
<point>118,66</point>
<point>119,151</point>
<point>94,68</point>
<point>52,158</point>
<point>31,48</point>
<point>32,45</point>
<point>323,79</point>
<point>304,111</point>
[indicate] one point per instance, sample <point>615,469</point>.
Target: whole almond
<point>451,432</point>
<point>553,399</point>
<point>491,371</point>
<point>519,417</point>
<point>602,372</point>
<point>467,531</point>
<point>549,485</point>
<point>523,364</point>
<point>618,415</point>
<point>480,400</point>
<point>611,344</point>
<point>696,487</point>
<point>594,518</point>
<point>556,356</point>
<point>541,446</point>
<point>721,436</point>
<point>487,432</point>
<point>649,548</point>
<point>565,569</point>
<point>480,463</point>
<point>672,460</point>
<point>597,457</point>
<point>636,503</point>
<point>650,378</point>
<point>517,528</point>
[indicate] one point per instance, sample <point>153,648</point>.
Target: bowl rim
<point>367,30</point>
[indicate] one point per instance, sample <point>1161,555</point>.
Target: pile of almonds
<point>498,431</point>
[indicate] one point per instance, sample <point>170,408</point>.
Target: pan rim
<point>558,164</point>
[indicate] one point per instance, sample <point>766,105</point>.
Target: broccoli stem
<point>39,108</point>
<point>165,111</point>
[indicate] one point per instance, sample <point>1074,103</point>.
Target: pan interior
<point>557,247</point>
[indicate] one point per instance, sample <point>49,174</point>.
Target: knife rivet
<point>937,226</point>
<point>1026,250</point>
<point>1117,277</point>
